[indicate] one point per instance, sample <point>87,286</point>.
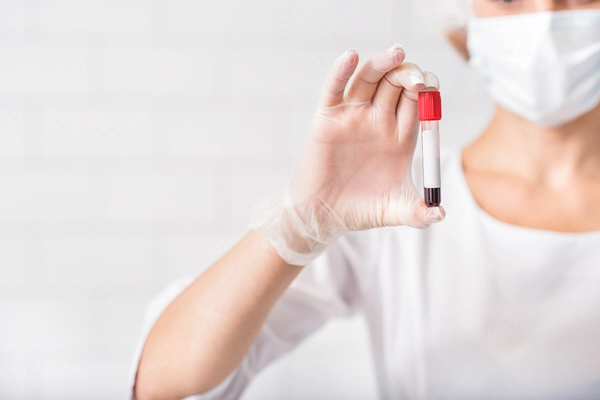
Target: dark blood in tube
<point>430,114</point>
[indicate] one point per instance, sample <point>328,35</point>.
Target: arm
<point>353,174</point>
<point>217,318</point>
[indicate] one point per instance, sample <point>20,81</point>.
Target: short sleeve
<point>327,288</point>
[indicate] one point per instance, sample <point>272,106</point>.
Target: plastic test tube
<point>430,113</point>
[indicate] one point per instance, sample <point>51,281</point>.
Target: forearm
<point>205,332</point>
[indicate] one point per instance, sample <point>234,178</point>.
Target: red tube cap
<point>430,106</point>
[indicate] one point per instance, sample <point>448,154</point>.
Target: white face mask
<point>543,66</point>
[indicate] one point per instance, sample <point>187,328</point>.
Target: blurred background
<point>135,137</point>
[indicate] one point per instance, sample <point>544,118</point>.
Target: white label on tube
<point>431,159</point>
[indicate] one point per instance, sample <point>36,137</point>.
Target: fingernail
<point>397,52</point>
<point>431,80</point>
<point>435,214</point>
<point>345,54</point>
<point>348,56</point>
<point>417,78</point>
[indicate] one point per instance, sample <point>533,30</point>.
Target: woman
<point>500,300</point>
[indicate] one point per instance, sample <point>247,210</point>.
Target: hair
<point>448,14</point>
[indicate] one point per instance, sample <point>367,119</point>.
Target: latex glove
<point>354,172</point>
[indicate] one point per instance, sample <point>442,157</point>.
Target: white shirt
<point>471,308</point>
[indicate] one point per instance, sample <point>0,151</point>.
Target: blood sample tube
<point>430,113</point>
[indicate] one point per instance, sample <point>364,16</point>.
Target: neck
<point>549,156</point>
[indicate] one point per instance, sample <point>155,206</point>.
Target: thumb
<point>409,209</point>
<point>425,216</point>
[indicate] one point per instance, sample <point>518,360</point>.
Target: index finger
<point>335,84</point>
<point>367,79</point>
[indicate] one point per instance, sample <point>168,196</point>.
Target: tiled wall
<point>134,138</point>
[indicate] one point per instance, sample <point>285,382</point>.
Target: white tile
<point>97,261</point>
<point>106,15</point>
<point>280,72</point>
<point>122,326</point>
<point>12,131</point>
<point>12,15</point>
<point>44,196</point>
<point>12,266</point>
<point>46,329</point>
<point>353,17</point>
<point>13,381</point>
<point>297,125</point>
<point>36,69</point>
<point>159,196</point>
<point>98,133</point>
<point>85,381</point>
<point>160,70</point>
<point>249,188</point>
<point>222,133</point>
<point>225,16</point>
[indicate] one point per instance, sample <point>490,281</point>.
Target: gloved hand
<point>354,172</point>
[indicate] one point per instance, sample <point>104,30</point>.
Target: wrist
<point>299,229</point>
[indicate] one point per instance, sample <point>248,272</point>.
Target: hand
<point>354,172</point>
